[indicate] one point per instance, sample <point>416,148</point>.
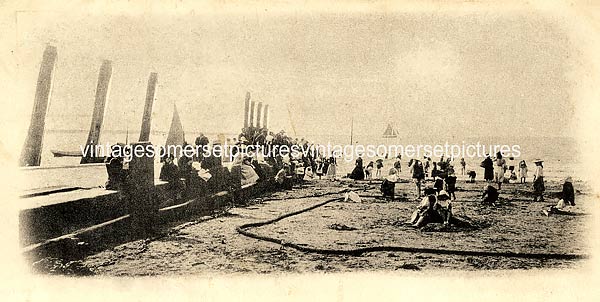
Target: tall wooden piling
<point>147,118</point>
<point>31,155</point>
<point>252,113</point>
<point>266,117</point>
<point>99,109</point>
<point>246,109</point>
<point>259,109</point>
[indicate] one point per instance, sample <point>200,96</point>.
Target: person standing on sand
<point>418,175</point>
<point>379,167</point>
<point>398,164</point>
<point>538,181</point>
<point>331,168</point>
<point>488,168</point>
<point>358,173</point>
<point>499,169</point>
<point>451,185</point>
<point>369,170</point>
<point>523,171</point>
<point>463,166</point>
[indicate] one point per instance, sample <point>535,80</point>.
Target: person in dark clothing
<point>388,185</point>
<point>114,169</point>
<point>170,173</point>
<point>490,195</point>
<point>418,175</point>
<point>568,192</point>
<point>451,186</point>
<point>358,173</point>
<point>472,174</point>
<point>488,167</point>
<point>438,184</point>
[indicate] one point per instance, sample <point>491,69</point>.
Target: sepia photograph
<point>417,143</point>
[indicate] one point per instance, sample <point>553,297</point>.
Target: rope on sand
<point>245,230</point>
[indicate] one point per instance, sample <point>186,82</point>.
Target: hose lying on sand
<point>244,230</point>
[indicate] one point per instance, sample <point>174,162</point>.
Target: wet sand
<point>214,246</point>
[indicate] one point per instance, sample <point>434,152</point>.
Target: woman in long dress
<point>488,169</point>
<point>538,181</point>
<point>331,168</point>
<point>358,173</point>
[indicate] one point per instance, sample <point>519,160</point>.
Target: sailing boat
<point>176,136</point>
<point>390,132</point>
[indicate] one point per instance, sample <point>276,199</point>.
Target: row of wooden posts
<point>31,154</point>
<point>250,107</point>
<point>32,150</point>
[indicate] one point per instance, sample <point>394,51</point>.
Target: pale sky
<point>471,74</point>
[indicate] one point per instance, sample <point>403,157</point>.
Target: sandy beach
<point>214,246</point>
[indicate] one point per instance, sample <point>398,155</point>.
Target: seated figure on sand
<point>389,184</point>
<point>433,209</point>
<point>472,174</point>
<point>284,177</point>
<point>567,199</point>
<point>490,195</point>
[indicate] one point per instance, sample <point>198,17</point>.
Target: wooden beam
<point>266,117</point>
<point>259,109</point>
<point>31,155</point>
<point>246,109</point>
<point>147,118</point>
<point>99,109</point>
<point>252,113</point>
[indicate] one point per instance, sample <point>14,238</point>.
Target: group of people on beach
<point>200,174</point>
<point>437,197</point>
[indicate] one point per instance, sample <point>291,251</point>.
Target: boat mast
<point>351,130</point>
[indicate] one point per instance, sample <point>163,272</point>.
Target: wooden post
<point>147,118</point>
<point>266,117</point>
<point>99,110</point>
<point>246,109</point>
<point>31,155</point>
<point>258,114</point>
<point>252,113</point>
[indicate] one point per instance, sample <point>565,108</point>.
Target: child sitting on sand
<point>490,195</point>
<point>433,209</point>
<point>512,179</point>
<point>568,199</point>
